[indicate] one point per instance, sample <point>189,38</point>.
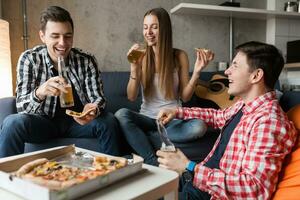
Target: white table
<point>151,183</point>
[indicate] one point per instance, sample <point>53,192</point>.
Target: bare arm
<point>135,77</point>
<point>187,85</point>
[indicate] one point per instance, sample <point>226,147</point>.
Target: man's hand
<point>175,161</point>
<point>52,87</point>
<point>166,115</point>
<point>90,111</point>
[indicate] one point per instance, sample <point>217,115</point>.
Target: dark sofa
<point>115,91</point>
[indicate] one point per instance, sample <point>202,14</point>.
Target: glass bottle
<point>66,99</point>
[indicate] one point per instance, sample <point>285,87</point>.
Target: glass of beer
<point>136,54</point>
<point>66,99</point>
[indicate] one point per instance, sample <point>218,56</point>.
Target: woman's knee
<point>122,113</point>
<point>200,128</point>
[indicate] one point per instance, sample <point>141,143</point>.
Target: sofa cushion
<point>115,84</point>
<point>289,181</point>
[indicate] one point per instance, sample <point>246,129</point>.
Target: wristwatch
<point>188,174</point>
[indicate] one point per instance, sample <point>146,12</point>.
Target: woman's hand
<point>203,58</point>
<point>136,54</point>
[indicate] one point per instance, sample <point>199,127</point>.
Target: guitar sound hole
<point>216,87</point>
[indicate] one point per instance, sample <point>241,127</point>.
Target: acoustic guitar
<point>215,90</point>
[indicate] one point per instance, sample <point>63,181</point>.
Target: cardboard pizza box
<point>32,191</point>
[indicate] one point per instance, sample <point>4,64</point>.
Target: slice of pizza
<point>209,53</point>
<point>109,164</point>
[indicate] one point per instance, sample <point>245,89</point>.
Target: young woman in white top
<point>163,75</point>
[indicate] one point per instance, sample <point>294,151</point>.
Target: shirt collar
<point>258,101</point>
<point>50,63</point>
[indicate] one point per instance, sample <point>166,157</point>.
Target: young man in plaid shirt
<point>40,116</point>
<point>256,134</point>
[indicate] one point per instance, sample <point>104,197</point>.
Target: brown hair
<point>55,14</point>
<point>264,56</point>
<point>166,60</point>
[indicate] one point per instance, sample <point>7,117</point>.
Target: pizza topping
<point>101,162</point>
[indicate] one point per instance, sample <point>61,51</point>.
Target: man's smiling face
<point>58,37</point>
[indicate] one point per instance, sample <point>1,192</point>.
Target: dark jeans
<point>188,192</point>
<point>17,129</point>
<point>141,132</point>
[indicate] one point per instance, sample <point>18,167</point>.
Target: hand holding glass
<point>136,54</point>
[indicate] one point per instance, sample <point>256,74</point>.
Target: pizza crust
<point>30,165</point>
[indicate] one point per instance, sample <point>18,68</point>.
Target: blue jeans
<point>141,132</point>
<point>17,129</point>
<point>188,192</point>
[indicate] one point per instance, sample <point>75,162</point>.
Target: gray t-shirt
<point>151,107</point>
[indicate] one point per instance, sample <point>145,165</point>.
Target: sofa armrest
<point>7,107</point>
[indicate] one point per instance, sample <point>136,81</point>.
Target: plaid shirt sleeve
<point>26,100</point>
<point>94,84</point>
<point>212,117</point>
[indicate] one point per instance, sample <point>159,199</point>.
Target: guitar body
<point>216,90</point>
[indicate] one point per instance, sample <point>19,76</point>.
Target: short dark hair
<point>55,14</point>
<point>264,56</point>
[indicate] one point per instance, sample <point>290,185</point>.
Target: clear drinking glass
<point>136,54</point>
<point>66,99</point>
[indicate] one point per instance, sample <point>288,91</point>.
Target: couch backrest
<point>115,84</point>
<point>289,99</point>
<point>7,106</point>
<point>115,91</point>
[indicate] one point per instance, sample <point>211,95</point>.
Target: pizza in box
<point>56,175</point>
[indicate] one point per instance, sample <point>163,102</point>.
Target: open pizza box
<point>32,191</point>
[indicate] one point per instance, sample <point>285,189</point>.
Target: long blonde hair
<point>166,61</point>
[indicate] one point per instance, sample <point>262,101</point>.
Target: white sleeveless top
<point>151,106</point>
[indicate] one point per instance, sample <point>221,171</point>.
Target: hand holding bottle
<point>52,87</point>
<point>66,98</point>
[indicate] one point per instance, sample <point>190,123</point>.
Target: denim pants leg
<point>135,127</point>
<point>185,130</point>
<point>105,128</point>
<point>20,128</point>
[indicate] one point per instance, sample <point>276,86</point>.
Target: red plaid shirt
<point>253,157</point>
